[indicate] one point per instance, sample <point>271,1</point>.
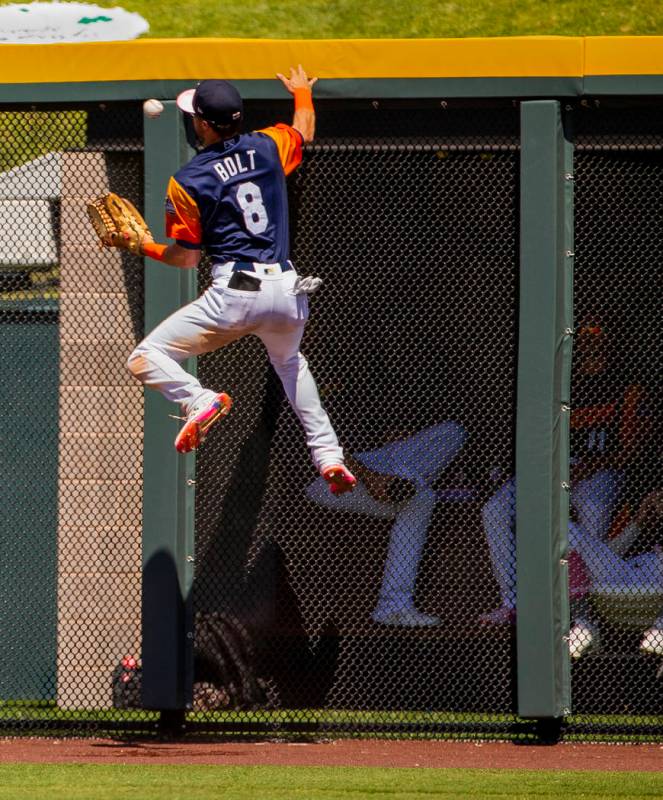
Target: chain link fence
<point>391,609</point>
<point>615,535</point>
<point>72,418</point>
<point>368,606</point>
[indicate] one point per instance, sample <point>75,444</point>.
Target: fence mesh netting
<point>375,606</point>
<point>70,312</point>
<point>617,482</point>
<point>390,609</point>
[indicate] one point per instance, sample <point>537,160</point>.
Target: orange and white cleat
<point>200,420</point>
<point>339,478</point>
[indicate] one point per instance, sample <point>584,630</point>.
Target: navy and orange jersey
<point>231,198</point>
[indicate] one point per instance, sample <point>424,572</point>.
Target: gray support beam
<point>168,493</point>
<point>542,479</point>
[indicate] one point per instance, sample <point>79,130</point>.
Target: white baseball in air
<point>152,108</point>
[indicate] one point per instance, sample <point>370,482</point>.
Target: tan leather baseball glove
<point>118,223</point>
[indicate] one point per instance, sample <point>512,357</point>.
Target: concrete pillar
<point>100,440</point>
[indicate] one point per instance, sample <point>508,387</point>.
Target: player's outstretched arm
<point>300,85</point>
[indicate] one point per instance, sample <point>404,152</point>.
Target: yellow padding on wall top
<point>250,59</point>
<point>623,55</point>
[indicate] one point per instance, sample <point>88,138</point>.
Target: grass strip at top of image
<point>318,19</point>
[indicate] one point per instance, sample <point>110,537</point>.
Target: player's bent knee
<point>137,363</point>
<point>425,497</point>
<point>295,364</point>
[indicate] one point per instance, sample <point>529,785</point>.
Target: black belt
<point>247,266</point>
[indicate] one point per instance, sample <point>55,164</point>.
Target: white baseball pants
<point>609,571</point>
<point>419,459</point>
<point>220,316</point>
<point>593,500</point>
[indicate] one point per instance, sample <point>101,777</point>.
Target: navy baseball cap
<point>214,101</point>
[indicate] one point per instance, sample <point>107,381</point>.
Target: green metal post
<point>168,477</point>
<point>542,431</point>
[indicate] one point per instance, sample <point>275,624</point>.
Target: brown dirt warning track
<point>346,752</point>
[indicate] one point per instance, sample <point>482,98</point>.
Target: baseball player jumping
<point>230,200</point>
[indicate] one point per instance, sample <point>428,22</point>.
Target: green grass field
<point>153,782</point>
<point>319,19</point>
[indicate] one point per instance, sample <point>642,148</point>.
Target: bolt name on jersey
<point>230,166</point>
